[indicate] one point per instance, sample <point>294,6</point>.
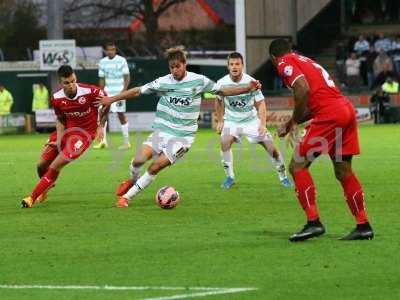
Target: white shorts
<point>248,129</point>
<point>119,106</point>
<point>174,147</point>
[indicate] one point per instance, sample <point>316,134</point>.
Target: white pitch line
<point>205,291</point>
<point>203,294</point>
<point>102,287</point>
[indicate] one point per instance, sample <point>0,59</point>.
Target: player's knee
<point>137,163</point>
<point>275,153</point>
<point>341,173</point>
<point>226,144</point>
<point>41,168</point>
<point>294,167</point>
<point>225,147</point>
<point>154,168</point>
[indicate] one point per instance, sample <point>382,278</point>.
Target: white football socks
<point>279,166</point>
<point>125,132</point>
<point>141,184</point>
<point>104,140</point>
<point>227,163</point>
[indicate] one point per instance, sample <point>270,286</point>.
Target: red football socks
<point>306,193</point>
<point>45,183</point>
<point>355,198</point>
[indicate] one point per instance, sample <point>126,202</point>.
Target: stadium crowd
<point>372,61</point>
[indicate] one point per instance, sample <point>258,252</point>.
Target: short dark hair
<point>176,53</point>
<point>65,71</point>
<point>109,44</point>
<point>279,47</point>
<point>235,55</point>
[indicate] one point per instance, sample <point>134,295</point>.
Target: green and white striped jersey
<point>113,71</point>
<point>179,105</point>
<point>240,108</point>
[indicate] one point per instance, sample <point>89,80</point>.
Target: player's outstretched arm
<point>131,93</point>
<point>232,91</point>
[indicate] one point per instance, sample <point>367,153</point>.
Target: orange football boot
<point>27,202</point>
<point>124,187</point>
<point>122,202</point>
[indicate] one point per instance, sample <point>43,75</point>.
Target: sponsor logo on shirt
<point>180,101</point>
<point>78,114</point>
<point>288,71</point>
<point>238,103</point>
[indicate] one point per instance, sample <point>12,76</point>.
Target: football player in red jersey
<point>332,130</point>
<point>78,121</point>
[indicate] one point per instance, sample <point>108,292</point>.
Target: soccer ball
<point>167,197</point>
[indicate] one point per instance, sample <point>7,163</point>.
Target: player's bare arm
<point>103,116</point>
<point>219,112</point>
<point>128,94</point>
<point>262,115</point>
<point>102,83</point>
<point>301,91</point>
<point>233,91</point>
<point>301,94</point>
<point>127,79</point>
<point>60,127</point>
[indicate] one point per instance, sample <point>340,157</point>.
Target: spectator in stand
<point>370,59</point>
<point>353,71</point>
<point>6,101</point>
<point>40,97</point>
<point>382,60</point>
<point>361,46</point>
<point>395,54</point>
<point>341,56</point>
<point>390,86</point>
<point>383,43</point>
<point>384,74</point>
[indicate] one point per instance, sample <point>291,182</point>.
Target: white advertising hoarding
<point>55,53</point>
<point>45,118</point>
<point>138,121</point>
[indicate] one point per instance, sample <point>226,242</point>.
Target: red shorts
<point>73,144</point>
<point>335,134</point>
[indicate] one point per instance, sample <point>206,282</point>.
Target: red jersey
<point>79,111</point>
<point>324,96</point>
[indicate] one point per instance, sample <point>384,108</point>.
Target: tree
<point>5,20</point>
<point>19,27</point>
<point>147,11</point>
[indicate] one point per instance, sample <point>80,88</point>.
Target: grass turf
<point>235,238</point>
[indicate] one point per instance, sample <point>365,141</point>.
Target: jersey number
<point>326,76</point>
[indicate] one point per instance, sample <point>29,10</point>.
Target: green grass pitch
<point>214,238</point>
